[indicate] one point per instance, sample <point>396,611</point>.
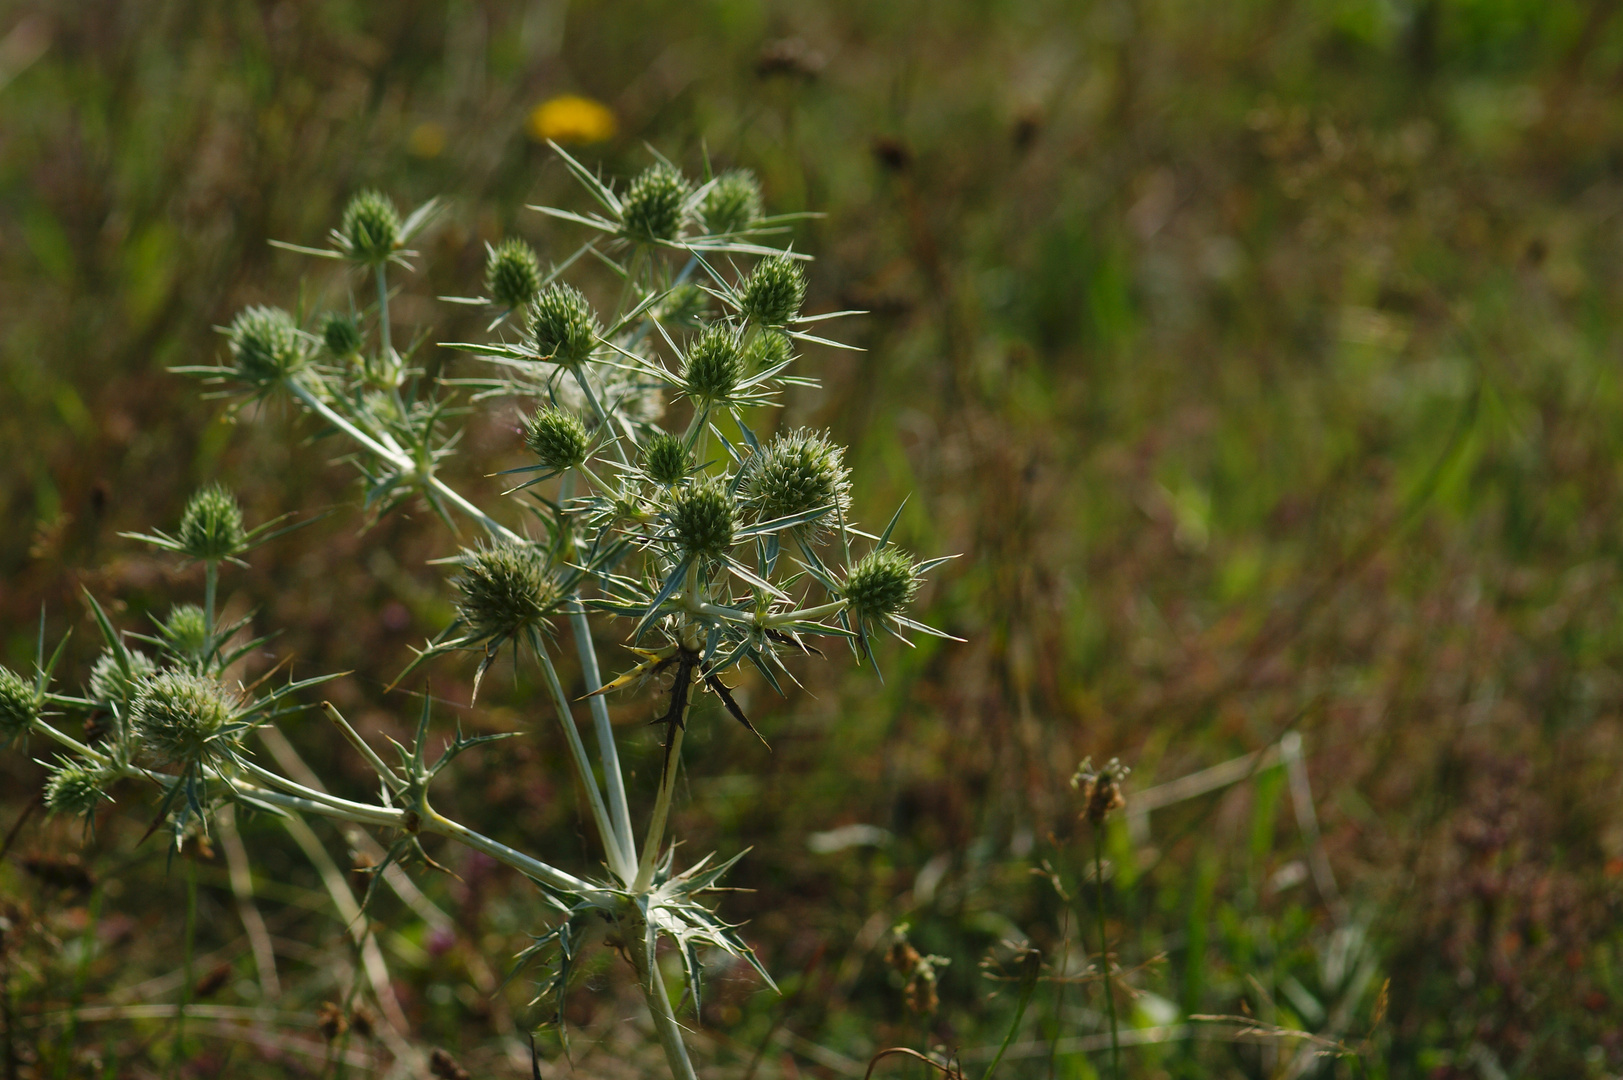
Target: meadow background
<point>1261,359</point>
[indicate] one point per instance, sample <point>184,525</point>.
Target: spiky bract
<point>19,705</point>
<point>714,364</point>
<point>340,334</point>
<point>512,273</point>
<point>733,203</point>
<point>665,458</point>
<point>556,437</point>
<point>72,788</point>
<point>796,472</point>
<point>772,293</point>
<point>265,344</point>
<point>653,207</point>
<point>110,684</point>
<point>883,582</point>
<point>371,227</point>
<point>562,325</point>
<point>701,517</point>
<point>505,588</point>
<point>211,527</point>
<point>181,716</point>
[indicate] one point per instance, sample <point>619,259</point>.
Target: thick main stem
<point>614,845</point>
<point>607,750</point>
<point>662,804</point>
<point>659,1007</point>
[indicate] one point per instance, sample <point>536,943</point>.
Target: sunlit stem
<point>607,750</point>
<point>659,1005</point>
<point>614,845</point>
<point>431,821</point>
<point>383,313</point>
<point>662,805</point>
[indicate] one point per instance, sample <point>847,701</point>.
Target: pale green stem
<point>607,750</point>
<point>614,846</point>
<point>578,374</point>
<point>665,1025</point>
<point>386,774</point>
<point>371,815</point>
<point>550,876</point>
<point>662,807</point>
<point>383,312</point>
<point>211,583</point>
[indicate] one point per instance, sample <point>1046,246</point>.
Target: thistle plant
<point>648,500</point>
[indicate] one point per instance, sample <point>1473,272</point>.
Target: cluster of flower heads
<point>169,715</point>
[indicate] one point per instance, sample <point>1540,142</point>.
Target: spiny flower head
<point>772,293</point>
<point>701,517</point>
<point>505,588</point>
<point>882,583</point>
<point>798,471</point>
<point>72,788</point>
<point>371,227</point>
<point>562,325</point>
<point>181,716</point>
<point>733,203</point>
<point>767,349</point>
<point>714,364</point>
<point>652,207</point>
<point>110,685</point>
<point>19,705</point>
<point>211,527</point>
<point>340,334</point>
<point>186,629</point>
<point>665,459</point>
<point>556,437</point>
<point>512,273</point>
<point>265,344</point>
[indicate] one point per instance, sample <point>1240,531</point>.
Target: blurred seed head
<point>557,438</point>
<point>186,629</point>
<point>211,527</point>
<point>371,226</point>
<point>72,788</point>
<point>504,588</point>
<point>340,334</point>
<point>265,344</point>
<point>772,293</point>
<point>665,459</point>
<point>181,716</point>
<point>1100,788</point>
<point>767,349</point>
<point>714,364</point>
<point>883,582</point>
<point>562,325</point>
<point>111,686</point>
<point>798,471</point>
<point>19,706</point>
<point>653,204</point>
<point>733,203</point>
<point>512,273</point>
<point>701,517</point>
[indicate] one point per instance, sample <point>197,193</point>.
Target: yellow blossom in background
<point>570,118</point>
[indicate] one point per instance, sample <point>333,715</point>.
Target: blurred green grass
<point>1261,359</point>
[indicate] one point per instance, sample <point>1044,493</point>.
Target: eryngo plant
<point>711,549</point>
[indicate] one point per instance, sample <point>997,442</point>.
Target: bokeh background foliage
<point>1261,358</point>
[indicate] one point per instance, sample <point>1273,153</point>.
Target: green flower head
<point>340,334</point>
<point>882,583</point>
<point>211,528</point>
<point>772,293</point>
<point>766,349</point>
<point>665,459</point>
<point>714,364</point>
<point>797,472</point>
<point>371,227</point>
<point>19,705</point>
<point>72,788</point>
<point>701,518</point>
<point>504,588</point>
<point>110,685</point>
<point>182,717</point>
<point>512,273</point>
<point>733,203</point>
<point>186,630</point>
<point>653,205</point>
<point>562,325</point>
<point>266,345</point>
<point>556,437</point>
